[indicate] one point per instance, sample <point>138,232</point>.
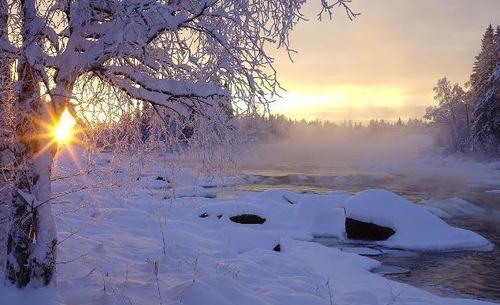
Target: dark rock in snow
<point>277,248</point>
<point>219,216</point>
<point>356,229</point>
<point>248,219</point>
<point>204,215</point>
<point>209,186</point>
<point>160,178</point>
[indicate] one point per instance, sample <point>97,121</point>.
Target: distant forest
<point>279,126</point>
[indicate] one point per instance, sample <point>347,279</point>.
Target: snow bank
<point>452,207</point>
<point>321,215</point>
<point>306,215</point>
<point>10,295</point>
<point>147,249</point>
<point>416,228</point>
<point>303,215</point>
<point>493,191</point>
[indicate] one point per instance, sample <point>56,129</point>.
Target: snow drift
<point>416,228</point>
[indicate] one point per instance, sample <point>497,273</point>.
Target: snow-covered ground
<point>148,243</point>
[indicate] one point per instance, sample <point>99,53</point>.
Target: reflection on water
<point>465,273</point>
<point>450,274</point>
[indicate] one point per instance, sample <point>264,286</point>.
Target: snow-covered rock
<point>416,228</point>
<point>357,229</point>
<point>247,219</point>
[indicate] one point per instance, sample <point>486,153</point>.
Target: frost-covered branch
<point>210,43</point>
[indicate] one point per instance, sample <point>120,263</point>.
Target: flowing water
<point>464,273</point>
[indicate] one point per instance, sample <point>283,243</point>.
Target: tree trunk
<point>467,117</point>
<point>5,132</point>
<point>32,239</point>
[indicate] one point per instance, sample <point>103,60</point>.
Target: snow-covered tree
<point>485,94</point>
<point>450,115</point>
<point>486,126</point>
<point>484,63</point>
<point>180,56</point>
<point>5,130</point>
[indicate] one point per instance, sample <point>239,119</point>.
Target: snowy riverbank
<point>150,244</point>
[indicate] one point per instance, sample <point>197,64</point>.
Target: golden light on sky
<point>338,103</point>
<point>385,63</point>
<point>63,131</point>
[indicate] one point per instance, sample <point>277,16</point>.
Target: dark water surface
<point>472,274</point>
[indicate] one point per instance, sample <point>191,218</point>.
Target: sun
<point>63,131</point>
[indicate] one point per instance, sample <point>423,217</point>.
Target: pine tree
<point>486,126</point>
<point>484,64</point>
<point>497,40</point>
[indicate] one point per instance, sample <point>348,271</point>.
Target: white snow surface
<point>493,191</point>
<point>416,228</point>
<point>9,295</point>
<point>452,207</point>
<point>148,246</point>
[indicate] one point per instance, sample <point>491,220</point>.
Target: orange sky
<point>385,63</point>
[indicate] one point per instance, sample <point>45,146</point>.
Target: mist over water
<point>349,151</point>
<point>341,148</point>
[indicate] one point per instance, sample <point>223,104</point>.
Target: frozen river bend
<point>212,242</point>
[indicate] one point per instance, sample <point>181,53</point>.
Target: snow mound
<point>320,215</point>
<point>279,195</point>
<point>190,191</point>
<point>28,296</point>
<point>243,239</point>
<point>179,177</point>
<point>416,228</point>
<point>306,215</point>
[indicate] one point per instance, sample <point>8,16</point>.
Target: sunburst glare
<point>63,131</point>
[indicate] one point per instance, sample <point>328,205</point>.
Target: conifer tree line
<point>469,117</point>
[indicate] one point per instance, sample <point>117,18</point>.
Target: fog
<point>317,147</point>
<point>351,151</point>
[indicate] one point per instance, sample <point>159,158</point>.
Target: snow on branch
<point>162,92</point>
<point>164,52</point>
